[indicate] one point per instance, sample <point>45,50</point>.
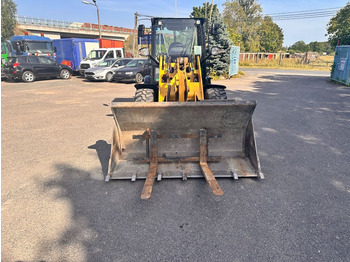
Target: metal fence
<point>341,66</point>
<point>23,20</point>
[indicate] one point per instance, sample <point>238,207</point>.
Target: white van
<point>97,55</point>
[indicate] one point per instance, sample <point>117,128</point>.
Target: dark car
<point>133,71</point>
<point>29,68</point>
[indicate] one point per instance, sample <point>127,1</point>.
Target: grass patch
<point>322,63</point>
<point>215,76</point>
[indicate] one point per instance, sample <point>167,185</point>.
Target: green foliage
<point>8,18</point>
<point>235,38</point>
<point>204,11</point>
<point>299,47</point>
<point>219,64</point>
<point>244,18</point>
<point>319,47</point>
<point>339,27</point>
<point>271,36</point>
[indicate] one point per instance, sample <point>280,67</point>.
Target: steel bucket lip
<point>217,103</point>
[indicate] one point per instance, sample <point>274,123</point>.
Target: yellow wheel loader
<point>181,125</point>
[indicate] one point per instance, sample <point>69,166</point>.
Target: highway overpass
<point>55,29</point>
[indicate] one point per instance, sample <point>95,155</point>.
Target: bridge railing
<point>23,20</point>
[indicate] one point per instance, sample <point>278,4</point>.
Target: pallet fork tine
<point>152,172</point>
<point>208,174</point>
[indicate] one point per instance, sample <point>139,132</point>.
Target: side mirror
<point>214,30</point>
<point>144,51</point>
<point>140,31</point>
<point>55,49</point>
<point>216,50</point>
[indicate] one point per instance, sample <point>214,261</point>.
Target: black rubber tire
<point>109,77</point>
<point>28,76</point>
<point>144,95</point>
<point>215,94</point>
<point>139,78</point>
<point>65,74</point>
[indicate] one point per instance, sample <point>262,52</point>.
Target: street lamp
<point>98,14</point>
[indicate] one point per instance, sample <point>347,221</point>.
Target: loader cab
<point>176,37</point>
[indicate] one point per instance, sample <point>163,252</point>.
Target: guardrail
<point>23,20</point>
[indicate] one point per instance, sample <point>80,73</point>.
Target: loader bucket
<point>205,139</point>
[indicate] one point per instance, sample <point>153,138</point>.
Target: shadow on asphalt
<point>103,150</point>
<point>298,213</point>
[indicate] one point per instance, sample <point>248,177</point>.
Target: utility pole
<point>211,11</point>
<point>98,19</point>
<point>98,15</point>
<point>135,28</point>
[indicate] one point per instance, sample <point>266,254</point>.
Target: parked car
<point>97,55</point>
<point>105,69</point>
<point>29,68</point>
<point>134,71</point>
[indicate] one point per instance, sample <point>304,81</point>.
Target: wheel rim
<point>138,78</point>
<point>109,77</point>
<point>29,77</point>
<point>65,74</point>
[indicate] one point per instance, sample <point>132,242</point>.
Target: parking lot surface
<point>55,144</point>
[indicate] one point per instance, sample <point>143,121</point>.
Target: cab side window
<point>45,60</point>
<point>110,54</point>
<point>22,59</point>
<point>119,53</point>
<point>33,60</point>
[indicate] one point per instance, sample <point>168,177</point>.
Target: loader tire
<point>215,94</point>
<point>144,95</point>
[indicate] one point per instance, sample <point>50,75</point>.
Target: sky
<point>121,13</point>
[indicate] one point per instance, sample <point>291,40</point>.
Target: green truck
<point>4,55</point>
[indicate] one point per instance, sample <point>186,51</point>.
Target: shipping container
<point>71,51</point>
<point>341,66</point>
<point>108,43</point>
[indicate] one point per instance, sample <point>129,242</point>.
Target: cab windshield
<point>39,47</point>
<point>95,54</point>
<point>176,37</point>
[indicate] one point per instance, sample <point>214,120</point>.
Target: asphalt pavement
<point>56,139</point>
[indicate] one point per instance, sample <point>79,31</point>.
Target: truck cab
<point>32,45</point>
<point>97,55</point>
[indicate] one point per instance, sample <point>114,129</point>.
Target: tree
<point>271,36</point>
<point>320,47</point>
<point>243,17</point>
<point>8,18</point>
<point>299,47</point>
<point>218,64</point>
<point>339,27</point>
<point>204,11</point>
